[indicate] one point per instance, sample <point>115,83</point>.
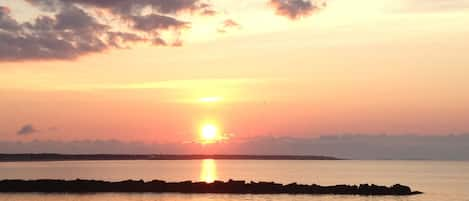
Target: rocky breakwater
<point>231,187</point>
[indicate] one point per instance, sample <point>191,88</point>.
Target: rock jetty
<point>230,187</point>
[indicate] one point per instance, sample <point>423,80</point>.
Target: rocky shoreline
<point>230,187</point>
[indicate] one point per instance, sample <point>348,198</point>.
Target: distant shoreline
<point>107,157</point>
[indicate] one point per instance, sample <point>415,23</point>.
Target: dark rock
<point>232,186</point>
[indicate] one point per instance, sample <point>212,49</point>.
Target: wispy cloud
<point>227,25</point>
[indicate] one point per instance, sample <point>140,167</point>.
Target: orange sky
<point>368,66</point>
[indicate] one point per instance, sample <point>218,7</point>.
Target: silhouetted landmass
<point>67,157</point>
<point>230,187</point>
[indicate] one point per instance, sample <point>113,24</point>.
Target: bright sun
<point>209,133</point>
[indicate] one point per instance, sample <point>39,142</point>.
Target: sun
<point>209,133</point>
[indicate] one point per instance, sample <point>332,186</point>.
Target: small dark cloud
<point>177,43</point>
<point>154,22</point>
<point>121,39</point>
<point>227,25</point>
<point>207,10</point>
<point>230,23</point>
<point>159,42</point>
<point>73,28</point>
<point>27,130</point>
<point>295,9</point>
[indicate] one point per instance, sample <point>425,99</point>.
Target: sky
<point>158,71</point>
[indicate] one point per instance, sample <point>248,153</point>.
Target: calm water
<point>440,180</point>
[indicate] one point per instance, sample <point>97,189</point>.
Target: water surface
<point>440,180</point>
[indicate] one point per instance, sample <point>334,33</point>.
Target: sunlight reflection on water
<point>208,171</point>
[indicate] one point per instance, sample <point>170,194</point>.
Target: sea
<point>439,180</point>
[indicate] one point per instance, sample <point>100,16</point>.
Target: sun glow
<point>209,133</point>
<point>210,99</point>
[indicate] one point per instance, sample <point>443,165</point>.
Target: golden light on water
<point>208,172</point>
